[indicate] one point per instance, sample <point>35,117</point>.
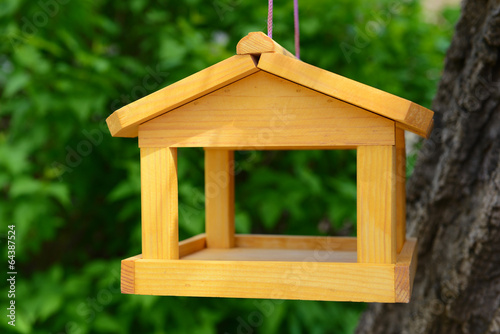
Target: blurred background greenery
<point>72,191</point>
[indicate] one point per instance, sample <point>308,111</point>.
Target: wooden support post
<point>400,189</point>
<point>376,184</point>
<point>219,198</point>
<point>160,232</point>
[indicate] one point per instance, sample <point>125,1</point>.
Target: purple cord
<point>270,18</point>
<point>295,20</point>
<point>296,23</point>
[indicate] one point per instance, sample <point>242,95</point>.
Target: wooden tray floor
<point>262,254</point>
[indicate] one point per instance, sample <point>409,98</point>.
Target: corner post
<point>376,207</point>
<point>219,198</point>
<point>159,197</point>
<point>400,189</point>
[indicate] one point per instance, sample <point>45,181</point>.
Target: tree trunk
<point>453,195</point>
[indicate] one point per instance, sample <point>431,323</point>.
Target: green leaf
<point>25,186</point>
<point>270,211</point>
<point>242,223</point>
<point>59,191</point>
<point>16,82</point>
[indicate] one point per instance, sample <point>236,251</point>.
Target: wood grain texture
<point>400,189</point>
<point>409,115</point>
<point>127,275</point>
<point>256,43</point>
<point>376,209</point>
<point>295,242</point>
<point>192,245</point>
<point>265,111</point>
<point>124,121</point>
<point>308,271</point>
<point>266,279</point>
<point>405,269</point>
<point>160,236</point>
<point>219,198</point>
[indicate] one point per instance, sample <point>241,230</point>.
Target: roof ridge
<point>256,43</point>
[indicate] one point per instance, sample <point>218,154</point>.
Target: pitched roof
<point>257,52</point>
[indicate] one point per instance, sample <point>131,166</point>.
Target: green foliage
<point>73,192</point>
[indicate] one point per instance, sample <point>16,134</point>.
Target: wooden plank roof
<point>257,52</point>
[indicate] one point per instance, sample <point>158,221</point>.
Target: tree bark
<point>453,196</point>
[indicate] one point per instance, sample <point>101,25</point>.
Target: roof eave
<point>125,121</point>
<point>407,114</point>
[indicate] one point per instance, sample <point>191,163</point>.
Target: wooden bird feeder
<point>264,98</point>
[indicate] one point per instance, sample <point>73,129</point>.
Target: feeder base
<point>275,267</point>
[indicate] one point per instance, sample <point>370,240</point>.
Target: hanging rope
<point>295,21</point>
<point>296,24</point>
<point>270,18</point>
